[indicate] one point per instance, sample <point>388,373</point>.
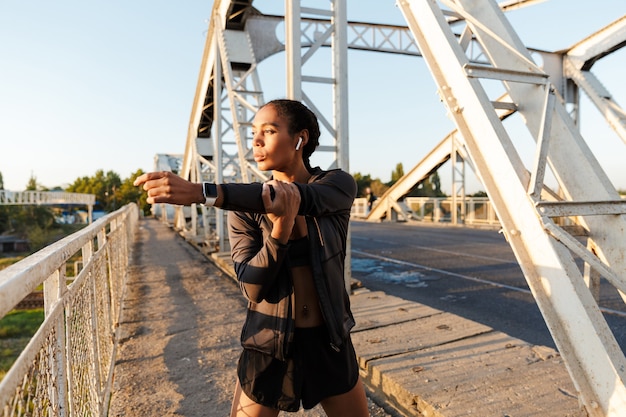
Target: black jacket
<point>262,264</point>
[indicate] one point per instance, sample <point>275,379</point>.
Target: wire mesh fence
<point>66,369</point>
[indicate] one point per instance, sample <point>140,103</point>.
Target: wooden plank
<point>409,336</point>
<point>373,309</point>
<point>491,374</point>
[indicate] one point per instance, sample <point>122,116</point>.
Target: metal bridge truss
<point>463,54</point>
<point>229,91</point>
<point>546,252</point>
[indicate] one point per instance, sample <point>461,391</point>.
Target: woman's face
<point>274,148</point>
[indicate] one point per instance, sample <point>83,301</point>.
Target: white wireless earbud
<point>299,143</point>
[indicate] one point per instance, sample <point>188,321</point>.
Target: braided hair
<point>299,117</point>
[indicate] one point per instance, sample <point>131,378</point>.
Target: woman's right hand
<point>167,187</point>
<point>282,209</point>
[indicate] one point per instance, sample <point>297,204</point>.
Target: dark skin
<point>274,150</point>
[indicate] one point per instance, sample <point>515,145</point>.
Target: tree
<point>1,182</point>
<point>430,187</point>
<point>103,186</point>
<point>479,194</point>
<point>378,187</point>
<point>364,181</point>
<point>32,183</point>
<point>27,221</point>
<point>110,191</point>
<point>128,193</point>
<point>396,174</point>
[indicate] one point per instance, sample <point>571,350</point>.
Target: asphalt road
<point>468,272</point>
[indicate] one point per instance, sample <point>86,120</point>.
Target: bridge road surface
<point>182,315</point>
<point>470,272</point>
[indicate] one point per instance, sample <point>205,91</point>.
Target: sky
<point>108,85</point>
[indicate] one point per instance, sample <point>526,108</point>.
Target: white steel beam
<point>591,354</point>
<point>425,168</point>
<point>440,154</point>
<point>314,33</point>
<point>596,46</point>
<point>577,64</point>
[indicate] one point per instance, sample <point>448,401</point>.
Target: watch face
<point>210,190</point>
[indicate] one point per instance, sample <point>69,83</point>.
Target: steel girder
<point>577,64</point>
<point>228,95</point>
<point>544,250</point>
<point>209,152</point>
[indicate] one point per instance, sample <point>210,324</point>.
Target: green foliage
<point>430,187</point>
<point>110,191</point>
<point>364,181</point>
<point>1,182</point>
<point>22,220</point>
<point>35,222</point>
<point>378,187</point>
<point>103,185</point>
<point>129,193</point>
<point>10,349</point>
<point>479,194</point>
<point>16,330</point>
<point>32,184</point>
<point>21,323</point>
<point>396,174</point>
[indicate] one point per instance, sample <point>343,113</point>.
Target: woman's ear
<point>302,139</point>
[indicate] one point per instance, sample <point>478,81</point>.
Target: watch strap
<point>209,191</point>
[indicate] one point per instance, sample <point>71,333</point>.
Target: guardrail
<point>66,369</point>
<point>477,211</point>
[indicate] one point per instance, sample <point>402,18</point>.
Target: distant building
<point>10,244</point>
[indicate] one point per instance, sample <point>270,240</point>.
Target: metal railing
<point>478,211</point>
<point>45,197</point>
<point>66,369</point>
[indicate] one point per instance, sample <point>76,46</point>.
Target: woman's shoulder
<point>337,179</point>
<point>335,174</point>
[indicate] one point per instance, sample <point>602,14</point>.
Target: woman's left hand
<point>283,208</point>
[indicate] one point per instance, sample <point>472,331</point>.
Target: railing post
<point>54,288</point>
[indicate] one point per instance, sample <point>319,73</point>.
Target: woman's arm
<point>333,191</point>
<point>257,257</point>
<point>259,243</point>
<point>167,187</point>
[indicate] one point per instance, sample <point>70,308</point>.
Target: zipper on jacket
<point>317,271</point>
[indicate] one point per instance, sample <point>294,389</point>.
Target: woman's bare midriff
<point>308,312</point>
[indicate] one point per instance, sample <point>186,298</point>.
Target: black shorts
<point>315,372</point>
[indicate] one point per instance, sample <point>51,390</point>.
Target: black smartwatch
<point>209,190</point>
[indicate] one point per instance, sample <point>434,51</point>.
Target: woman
<point>288,240</point>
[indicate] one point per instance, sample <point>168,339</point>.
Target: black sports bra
<point>299,252</point>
